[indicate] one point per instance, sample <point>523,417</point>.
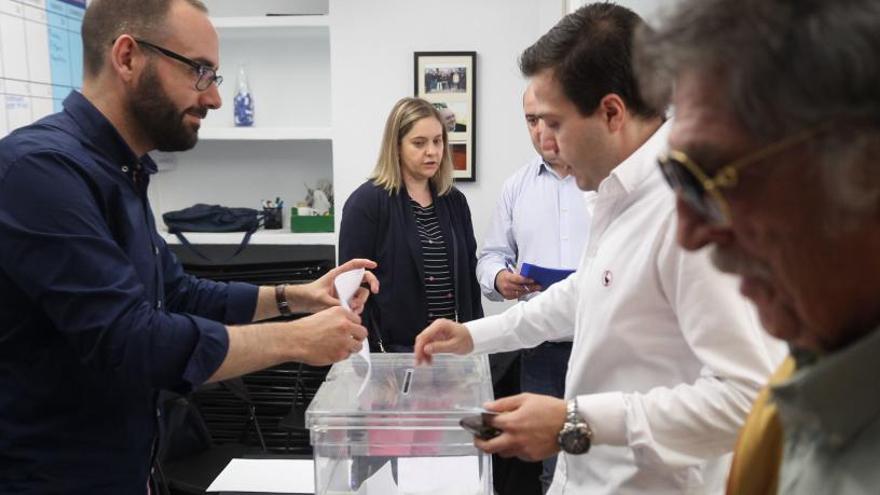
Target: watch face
<point>576,440</point>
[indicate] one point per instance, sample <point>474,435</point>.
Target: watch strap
<point>576,434</point>
<point>281,300</point>
<point>571,416</point>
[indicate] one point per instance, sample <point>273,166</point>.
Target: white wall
<point>372,45</point>
<point>648,9</point>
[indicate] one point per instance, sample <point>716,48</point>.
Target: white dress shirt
<point>540,218</point>
<point>667,356</point>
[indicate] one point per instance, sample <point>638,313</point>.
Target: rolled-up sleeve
<point>61,253</point>
<point>209,351</point>
<point>232,303</point>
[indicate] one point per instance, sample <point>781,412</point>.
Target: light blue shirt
<point>540,219</point>
<point>830,417</point>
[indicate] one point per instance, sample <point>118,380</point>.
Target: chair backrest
<point>182,430</point>
<point>190,455</point>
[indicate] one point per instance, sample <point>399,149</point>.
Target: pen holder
<point>274,217</point>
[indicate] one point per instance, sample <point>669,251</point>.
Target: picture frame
<point>449,81</point>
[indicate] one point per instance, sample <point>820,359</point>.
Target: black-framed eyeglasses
<point>703,193</point>
<point>207,75</point>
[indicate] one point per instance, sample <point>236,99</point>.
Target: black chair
<point>189,456</point>
<point>201,433</point>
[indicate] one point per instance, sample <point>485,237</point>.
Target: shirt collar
<point>642,163</point>
<point>102,133</point>
<point>837,394</point>
<point>542,167</point>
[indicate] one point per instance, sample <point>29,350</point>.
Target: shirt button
<point>564,210</point>
<point>430,279</point>
<point>449,296</point>
<point>158,304</point>
<point>565,238</point>
<point>125,169</point>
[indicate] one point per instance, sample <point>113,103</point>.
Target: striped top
<point>440,291</point>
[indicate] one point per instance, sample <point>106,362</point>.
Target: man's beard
<point>159,118</point>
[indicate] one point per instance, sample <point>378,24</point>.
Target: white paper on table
<point>346,286</point>
<point>380,483</point>
<point>266,475</point>
<point>431,475</point>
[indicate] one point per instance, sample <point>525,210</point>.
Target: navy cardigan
<point>381,226</point>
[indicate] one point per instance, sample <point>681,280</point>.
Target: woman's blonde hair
<point>405,113</point>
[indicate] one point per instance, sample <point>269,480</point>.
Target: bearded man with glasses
<point>774,158</point>
<point>96,314</point>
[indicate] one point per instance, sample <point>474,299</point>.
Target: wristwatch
<point>576,435</point>
<point>281,300</point>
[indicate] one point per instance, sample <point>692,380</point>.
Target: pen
<point>509,265</point>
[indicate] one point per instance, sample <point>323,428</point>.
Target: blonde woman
<point>410,219</point>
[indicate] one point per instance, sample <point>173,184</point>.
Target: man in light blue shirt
<point>542,219</point>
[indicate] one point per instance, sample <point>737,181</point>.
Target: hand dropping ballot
<point>346,286</point>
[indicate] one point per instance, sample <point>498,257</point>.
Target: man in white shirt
<point>667,356</point>
<point>541,218</point>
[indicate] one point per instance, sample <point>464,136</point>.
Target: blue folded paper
<point>545,277</point>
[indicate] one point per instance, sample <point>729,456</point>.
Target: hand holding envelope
<point>323,293</point>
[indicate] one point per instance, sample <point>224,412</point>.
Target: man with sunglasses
<point>774,159</point>
<point>96,314</point>
<point>666,356</point>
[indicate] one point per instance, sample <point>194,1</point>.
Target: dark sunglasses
<point>207,75</point>
<point>703,193</point>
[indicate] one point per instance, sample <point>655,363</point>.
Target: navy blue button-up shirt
<point>96,314</point>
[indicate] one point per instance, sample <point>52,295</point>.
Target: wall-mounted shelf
<point>286,59</point>
<point>259,237</point>
<point>266,133</point>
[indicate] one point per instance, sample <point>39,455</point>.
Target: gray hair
<point>788,65</point>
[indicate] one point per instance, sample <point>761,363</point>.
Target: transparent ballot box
<point>400,434</point>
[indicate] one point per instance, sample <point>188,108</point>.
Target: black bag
<point>213,218</point>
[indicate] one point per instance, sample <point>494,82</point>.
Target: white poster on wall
<point>40,58</point>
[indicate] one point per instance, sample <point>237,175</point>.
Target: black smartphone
<point>478,426</point>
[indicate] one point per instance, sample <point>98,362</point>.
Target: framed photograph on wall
<point>449,81</point>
